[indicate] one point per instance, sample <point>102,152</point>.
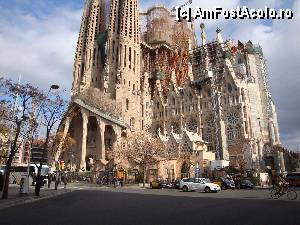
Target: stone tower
<point>107,54</point>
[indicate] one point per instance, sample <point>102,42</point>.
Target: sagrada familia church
<point>143,71</point>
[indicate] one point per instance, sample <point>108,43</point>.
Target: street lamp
<point>54,87</point>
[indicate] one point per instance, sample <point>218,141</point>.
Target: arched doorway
<point>92,143</point>
<point>109,140</point>
<point>73,156</point>
<point>185,169</point>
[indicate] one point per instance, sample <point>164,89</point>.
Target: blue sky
<point>38,40</point>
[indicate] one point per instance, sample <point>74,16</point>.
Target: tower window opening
<point>120,55</point>
<point>125,56</point>
<point>129,57</point>
<point>134,60</point>
<point>127,104</point>
<point>117,58</point>
<point>113,49</point>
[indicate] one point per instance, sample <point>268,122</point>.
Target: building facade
<point>143,71</point>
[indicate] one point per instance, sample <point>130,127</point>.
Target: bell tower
<point>125,58</point>
<point>108,54</point>
<point>91,48</point>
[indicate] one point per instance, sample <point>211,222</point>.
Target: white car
<point>198,184</point>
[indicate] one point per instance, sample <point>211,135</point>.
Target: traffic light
<point>62,164</point>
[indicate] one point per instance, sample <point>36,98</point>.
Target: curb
<point>32,199</point>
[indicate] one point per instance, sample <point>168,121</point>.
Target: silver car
<point>198,184</point>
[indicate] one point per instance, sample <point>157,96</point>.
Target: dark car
<point>176,184</point>
<point>225,183</point>
<point>160,184</point>
<point>293,178</point>
<point>244,184</point>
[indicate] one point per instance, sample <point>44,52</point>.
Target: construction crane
<point>185,4</point>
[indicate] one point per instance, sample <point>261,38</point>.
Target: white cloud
<point>42,50</point>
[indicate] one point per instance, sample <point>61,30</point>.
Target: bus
<point>17,172</point>
<point>293,178</point>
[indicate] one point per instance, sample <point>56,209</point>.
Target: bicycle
<point>291,194</point>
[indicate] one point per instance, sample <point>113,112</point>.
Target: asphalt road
<point>155,207</point>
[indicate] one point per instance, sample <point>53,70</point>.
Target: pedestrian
<point>49,179</point>
<point>115,182</point>
<point>33,179</point>
<point>1,181</point>
<point>65,180</point>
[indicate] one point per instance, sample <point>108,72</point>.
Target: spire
<point>219,35</point>
<point>203,34</point>
<point>194,33</point>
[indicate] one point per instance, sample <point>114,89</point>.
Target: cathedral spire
<point>219,35</point>
<point>203,34</point>
<point>194,33</point>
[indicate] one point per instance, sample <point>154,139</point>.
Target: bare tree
<point>4,132</point>
<point>53,111</point>
<point>20,118</point>
<point>144,149</point>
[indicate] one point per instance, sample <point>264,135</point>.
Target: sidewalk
<point>15,199</point>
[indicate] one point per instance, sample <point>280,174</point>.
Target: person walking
<point>115,182</point>
<point>64,179</point>
<point>1,181</point>
<point>49,179</point>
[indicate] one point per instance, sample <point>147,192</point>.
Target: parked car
<point>225,183</point>
<point>198,184</point>
<point>176,184</point>
<point>154,184</point>
<point>293,178</point>
<point>160,184</point>
<point>244,184</point>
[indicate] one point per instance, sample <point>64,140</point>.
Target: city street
<point>133,205</point>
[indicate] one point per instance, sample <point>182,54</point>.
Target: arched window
<point>173,101</point>
<point>240,61</point>
<point>132,124</point>
<point>229,88</point>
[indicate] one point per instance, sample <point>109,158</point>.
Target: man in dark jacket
<point>1,181</point>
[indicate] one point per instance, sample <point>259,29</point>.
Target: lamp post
<point>26,190</point>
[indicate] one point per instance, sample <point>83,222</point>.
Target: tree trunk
<point>145,176</point>
<point>39,177</point>
<point>9,161</point>
<point>6,177</point>
<point>39,180</point>
<point>57,178</point>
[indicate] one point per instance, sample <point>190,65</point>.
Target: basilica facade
<point>143,71</point>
